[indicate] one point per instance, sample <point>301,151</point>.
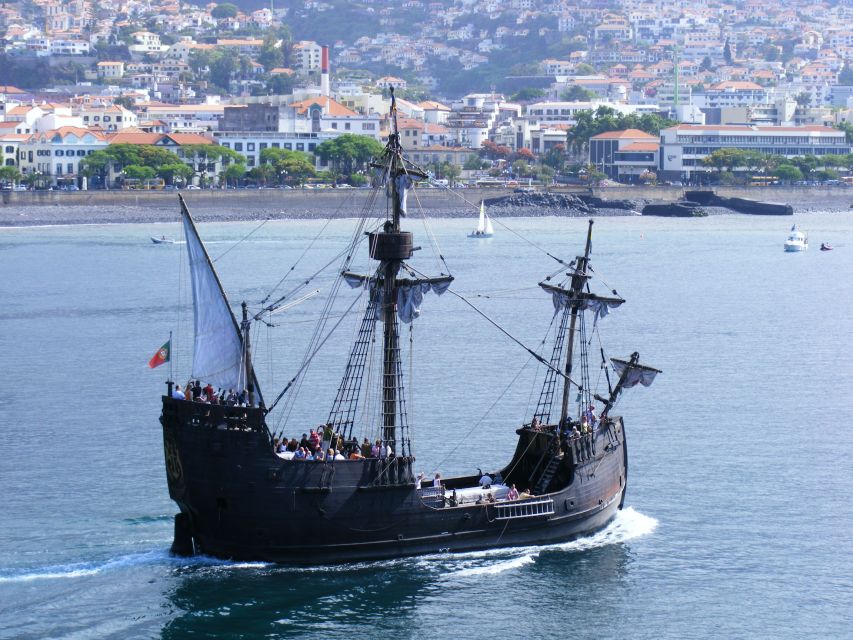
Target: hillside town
<point>165,94</point>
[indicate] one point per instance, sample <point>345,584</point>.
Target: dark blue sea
<point>738,519</point>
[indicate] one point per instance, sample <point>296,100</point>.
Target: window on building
<point>97,118</point>
<point>10,149</point>
<point>59,169</point>
<point>106,118</point>
<point>288,146</point>
<point>60,152</point>
<point>238,146</point>
<point>347,126</point>
<point>70,167</point>
<point>250,146</point>
<point>300,146</point>
<point>312,146</point>
<point>227,145</point>
<point>262,146</point>
<point>81,152</point>
<point>368,126</point>
<point>334,125</point>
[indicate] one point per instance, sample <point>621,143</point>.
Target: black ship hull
<point>238,500</point>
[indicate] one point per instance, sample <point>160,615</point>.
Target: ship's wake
<point>627,525</point>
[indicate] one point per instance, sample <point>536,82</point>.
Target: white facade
<point>683,148</point>
<point>55,154</point>
<point>251,143</point>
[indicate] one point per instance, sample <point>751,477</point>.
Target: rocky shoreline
<point>226,208</point>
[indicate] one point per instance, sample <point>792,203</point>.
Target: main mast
<point>391,247</point>
<point>579,278</point>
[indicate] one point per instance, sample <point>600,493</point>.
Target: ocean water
<point>738,519</point>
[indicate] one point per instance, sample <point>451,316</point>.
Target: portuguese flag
<point>162,355</point>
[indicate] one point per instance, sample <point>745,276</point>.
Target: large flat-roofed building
<point>684,147</point>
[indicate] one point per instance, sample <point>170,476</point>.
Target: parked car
<point>193,187</point>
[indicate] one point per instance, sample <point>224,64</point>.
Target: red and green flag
<point>162,355</point>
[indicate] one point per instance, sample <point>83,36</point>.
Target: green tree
<point>847,128</point>
<point>788,173</point>
<point>603,119</point>
<point>527,95</point>
<point>348,152</point>
<point>139,172</point>
<point>97,164</point>
<point>584,69</point>
<point>807,164</point>
<point>577,93</point>
<point>233,173</point>
<point>271,55</point>
<point>846,76</point>
<point>222,69</point>
<point>727,53</point>
<point>176,173</point>
<point>727,158</point>
<point>472,163</point>
<point>281,84</point>
<point>224,10</point>
<point>803,99</point>
<point>555,157</point>
<point>10,175</point>
<point>124,101</point>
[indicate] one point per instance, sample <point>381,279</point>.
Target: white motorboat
<point>797,240</point>
<point>484,225</point>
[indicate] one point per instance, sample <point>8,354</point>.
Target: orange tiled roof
<point>627,133</point>
<point>331,107</point>
<point>641,146</point>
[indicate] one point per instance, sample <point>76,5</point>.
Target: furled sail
<point>599,305</point>
<point>410,292</point>
<point>218,353</point>
<point>636,373</point>
<point>410,296</point>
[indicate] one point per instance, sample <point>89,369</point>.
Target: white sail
<point>218,353</point>
<point>490,230</point>
<point>481,224</point>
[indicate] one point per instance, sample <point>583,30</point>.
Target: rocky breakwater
<point>558,204</point>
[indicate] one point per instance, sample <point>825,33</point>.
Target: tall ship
<point>350,491</point>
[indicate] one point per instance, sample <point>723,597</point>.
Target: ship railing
<point>432,496</point>
<point>514,510</point>
<point>224,417</point>
<point>582,448</point>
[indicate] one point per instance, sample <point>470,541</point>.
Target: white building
<point>307,55</point>
<point>684,147</point>
<point>57,154</point>
<point>109,117</point>
<point>251,143</point>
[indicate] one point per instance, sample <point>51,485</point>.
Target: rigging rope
<point>538,357</point>
<point>246,237</point>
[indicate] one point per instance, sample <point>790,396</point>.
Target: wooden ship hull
<point>238,500</point>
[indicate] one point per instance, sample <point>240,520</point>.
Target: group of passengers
<point>311,446</point>
<point>195,392</point>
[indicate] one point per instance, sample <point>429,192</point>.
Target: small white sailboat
<point>797,240</point>
<point>484,225</point>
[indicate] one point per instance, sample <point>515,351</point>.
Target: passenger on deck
<point>300,454</point>
<point>436,481</point>
<point>208,391</point>
<point>525,494</point>
<point>419,480</point>
<point>575,433</point>
<point>197,391</point>
<point>356,455</point>
<point>590,416</point>
<point>584,426</point>
<point>512,494</point>
<point>314,439</point>
<point>275,445</point>
<point>486,481</point>
<point>304,441</point>
<point>231,398</point>
<point>319,455</point>
<point>365,448</point>
<point>177,394</point>
<point>535,424</point>
<point>339,456</point>
<point>374,450</point>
